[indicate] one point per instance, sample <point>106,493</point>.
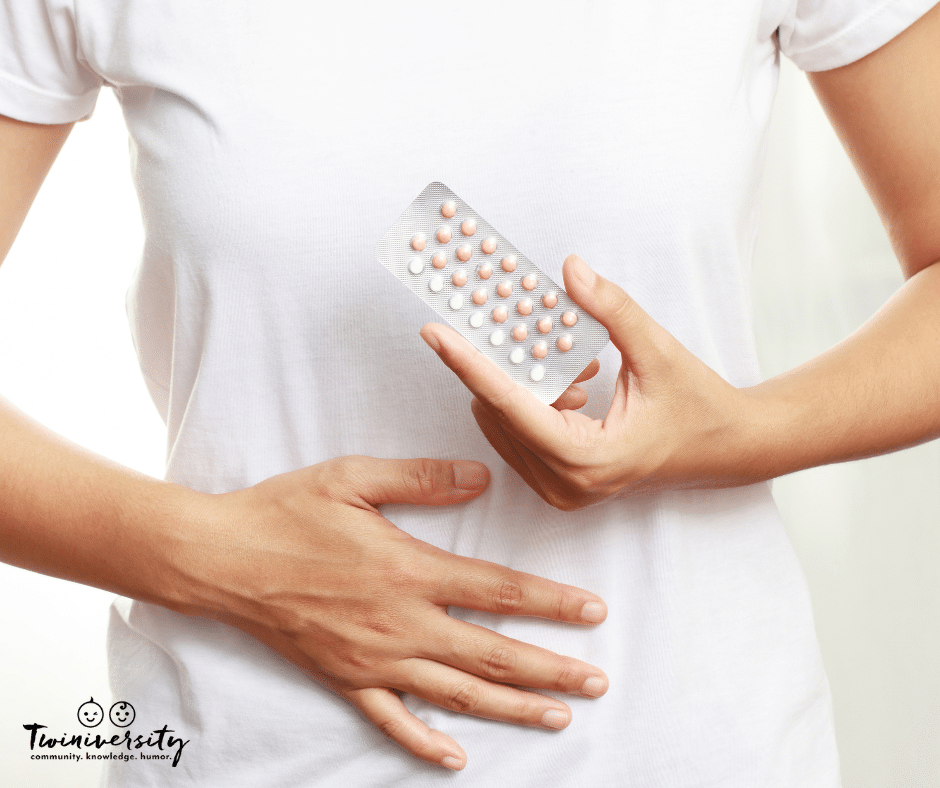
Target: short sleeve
<point>819,35</point>
<point>43,76</point>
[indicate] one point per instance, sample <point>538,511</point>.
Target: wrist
<point>163,531</point>
<point>190,547</point>
<point>774,443</point>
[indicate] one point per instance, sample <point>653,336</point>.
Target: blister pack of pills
<point>483,286</point>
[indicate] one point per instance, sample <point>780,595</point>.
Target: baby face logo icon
<point>90,714</point>
<point>122,714</point>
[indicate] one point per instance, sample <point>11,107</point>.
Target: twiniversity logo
<point>159,744</point>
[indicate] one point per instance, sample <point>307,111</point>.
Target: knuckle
<point>393,728</point>
<point>340,477</point>
<point>584,479</point>
<point>464,697</point>
<point>567,677</point>
<point>424,476</point>
<point>527,712</point>
<point>508,597</point>
<point>562,501</point>
<point>355,665</point>
<point>565,601</point>
<point>499,662</point>
<point>625,312</point>
<point>501,403</point>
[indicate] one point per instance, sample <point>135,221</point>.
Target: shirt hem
<point>862,37</point>
<point>27,104</point>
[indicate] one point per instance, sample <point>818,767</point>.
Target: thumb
<point>418,481</point>
<point>637,336</point>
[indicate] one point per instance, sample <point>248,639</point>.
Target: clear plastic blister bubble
<point>490,292</point>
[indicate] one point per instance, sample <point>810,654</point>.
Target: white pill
<point>444,235</point>
<point>436,283</point>
<point>488,246</point>
<point>456,301</point>
<point>476,319</point>
<point>448,209</point>
<point>537,373</point>
<point>468,227</point>
<point>419,241</point>
<point>497,337</point>
<point>416,266</point>
<point>517,355</point>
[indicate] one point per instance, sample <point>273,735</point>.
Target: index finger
<point>538,425</point>
<point>475,584</point>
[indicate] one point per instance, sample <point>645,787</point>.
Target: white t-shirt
<point>272,145</point>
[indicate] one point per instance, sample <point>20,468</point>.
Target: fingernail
<point>594,687</point>
<point>452,762</point>
<point>555,718</point>
<point>582,272</point>
<point>428,337</point>
<point>593,612</point>
<point>470,476</point>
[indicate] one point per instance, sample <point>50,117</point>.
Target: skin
<point>673,423</point>
<point>304,561</point>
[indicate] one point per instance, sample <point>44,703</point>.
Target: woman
<point>269,155</point>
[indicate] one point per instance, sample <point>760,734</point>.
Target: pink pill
<point>468,227</point>
<point>485,271</point>
<point>439,260</point>
<point>509,263</point>
<point>564,343</point>
<point>529,282</point>
<point>539,350</point>
<point>419,242</point>
<point>488,246</point>
<point>479,297</point>
<point>500,314</point>
<point>569,318</point>
<point>463,253</point>
<point>550,300</point>
<point>520,332</point>
<point>545,325</point>
<point>448,209</point>
<point>524,307</point>
<point>459,278</point>
<point>444,235</point>
<point>504,289</point>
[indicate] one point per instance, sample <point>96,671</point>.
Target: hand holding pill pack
<point>490,292</point>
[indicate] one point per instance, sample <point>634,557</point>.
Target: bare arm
<point>673,422</point>
<point>275,559</point>
<point>879,390</point>
<point>95,498</point>
<point>26,154</point>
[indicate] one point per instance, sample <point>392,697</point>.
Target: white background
<point>866,532</point>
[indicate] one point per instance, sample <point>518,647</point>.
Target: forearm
<point>875,392</point>
<point>68,513</point>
